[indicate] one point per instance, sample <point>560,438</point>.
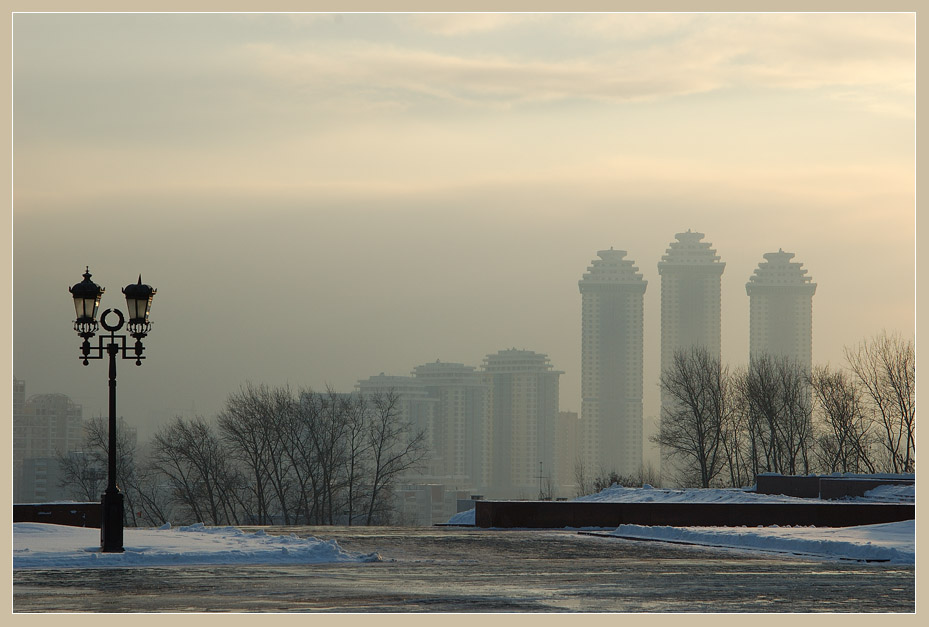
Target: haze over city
<point>319,198</point>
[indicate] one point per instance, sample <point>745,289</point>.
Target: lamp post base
<point>111,524</point>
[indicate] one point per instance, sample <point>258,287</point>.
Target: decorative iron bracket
<point>112,342</point>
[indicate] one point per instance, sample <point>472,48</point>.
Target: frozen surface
<point>40,545</point>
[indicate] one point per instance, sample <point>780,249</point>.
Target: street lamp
<point>87,295</point>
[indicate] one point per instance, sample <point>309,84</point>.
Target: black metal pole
<point>111,526</point>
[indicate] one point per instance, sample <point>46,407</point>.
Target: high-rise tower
<point>781,309</point>
<point>691,274</point>
<point>612,297</point>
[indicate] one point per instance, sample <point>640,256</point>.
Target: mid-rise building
<point>612,320</point>
<point>459,428</point>
<point>691,273</point>
<point>523,401</point>
<point>44,426</point>
<point>416,408</point>
<point>781,309</point>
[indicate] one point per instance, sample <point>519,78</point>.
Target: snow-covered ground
<point>889,542</point>
<point>892,542</point>
<point>648,494</point>
<point>40,545</point>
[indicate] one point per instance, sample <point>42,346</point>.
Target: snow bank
<point>889,493</point>
<point>647,494</point>
<point>889,542</point>
<point>463,518</point>
<point>40,545</point>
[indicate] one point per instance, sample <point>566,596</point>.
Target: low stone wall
<point>71,514</point>
<point>816,487</point>
<point>559,514</point>
<point>788,485</point>
<point>839,487</point>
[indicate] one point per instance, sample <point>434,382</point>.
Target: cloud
<point>648,57</point>
<point>460,24</point>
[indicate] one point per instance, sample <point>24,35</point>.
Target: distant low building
<point>44,426</point>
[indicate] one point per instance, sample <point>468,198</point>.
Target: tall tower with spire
<point>781,309</point>
<point>612,297</point>
<point>691,274</point>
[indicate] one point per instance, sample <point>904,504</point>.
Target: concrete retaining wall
<point>788,485</point>
<point>558,514</point>
<point>71,514</point>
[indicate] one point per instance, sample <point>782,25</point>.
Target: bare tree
<point>297,433</point>
<point>885,366</point>
<point>327,435</point>
<point>154,503</point>
<point>355,460</point>
<point>252,426</point>
<point>777,399</point>
<point>394,448</point>
<point>189,455</point>
<point>583,482</point>
<point>844,441</point>
<point>697,416</point>
<point>737,440</point>
<point>82,475</point>
<point>650,475</point>
<point>85,473</point>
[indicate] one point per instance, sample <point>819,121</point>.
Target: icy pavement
<point>40,545</point>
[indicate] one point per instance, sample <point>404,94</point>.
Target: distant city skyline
<point>318,197</point>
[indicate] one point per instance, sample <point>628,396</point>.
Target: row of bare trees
<point>723,427</point>
<point>272,456</point>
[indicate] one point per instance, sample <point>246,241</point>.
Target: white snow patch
<point>890,493</point>
<point>647,494</point>
<point>463,518</point>
<point>40,545</point>
<point>897,493</point>
<point>888,542</point>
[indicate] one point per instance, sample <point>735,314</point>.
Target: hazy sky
<point>321,198</point>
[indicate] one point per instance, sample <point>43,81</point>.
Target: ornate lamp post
<point>87,295</point>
